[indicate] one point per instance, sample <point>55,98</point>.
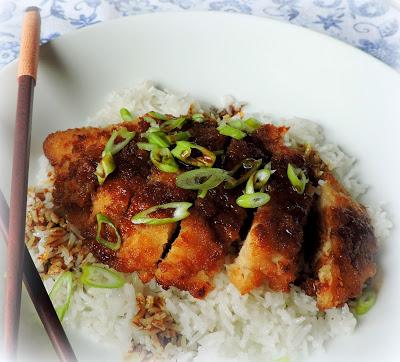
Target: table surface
<point>370,25</point>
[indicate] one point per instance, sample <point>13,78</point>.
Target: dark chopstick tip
<point>32,8</point>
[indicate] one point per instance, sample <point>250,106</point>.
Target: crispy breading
<point>194,258</point>
<point>345,258</point>
<point>270,252</point>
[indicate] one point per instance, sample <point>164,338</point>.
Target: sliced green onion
<point>115,148</point>
<point>151,121</point>
<point>251,124</point>
<point>283,359</point>
<point>102,219</point>
<point>249,164</point>
<point>159,116</point>
<point>125,114</point>
<point>250,201</point>
<point>163,160</point>
<point>235,133</point>
<point>202,193</point>
<point>158,139</point>
<point>201,179</point>
<point>262,176</point>
<point>237,123</point>
<point>180,212</point>
<point>183,151</point>
<point>250,184</point>
<point>105,167</point>
<point>61,294</point>
<point>363,304</point>
<point>178,136</point>
<point>297,178</point>
<point>198,117</point>
<point>146,146</point>
<point>100,277</point>
<point>172,124</point>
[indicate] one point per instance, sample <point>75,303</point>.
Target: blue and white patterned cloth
<point>371,25</point>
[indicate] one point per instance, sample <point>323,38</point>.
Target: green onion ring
<point>115,148</point>
<point>183,150</point>
<point>163,160</point>
<point>159,116</point>
<point>64,284</point>
<point>181,212</point>
<point>151,121</point>
<point>235,133</point>
<point>251,124</point>
<point>293,174</point>
<point>262,176</point>
<point>105,167</point>
<point>146,146</point>
<point>198,117</point>
<point>250,164</point>
<point>125,114</point>
<point>158,138</point>
<point>172,124</point>
<point>251,201</point>
<point>102,219</point>
<point>178,136</point>
<point>201,179</point>
<point>363,304</point>
<point>97,276</point>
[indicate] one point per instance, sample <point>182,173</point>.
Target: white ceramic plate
<point>278,68</point>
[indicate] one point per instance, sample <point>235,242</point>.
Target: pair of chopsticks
<point>19,263</point>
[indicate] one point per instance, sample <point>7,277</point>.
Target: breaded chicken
<point>345,258</point>
<point>270,252</point>
<point>194,258</point>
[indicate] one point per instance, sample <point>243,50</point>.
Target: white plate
<point>278,68</point>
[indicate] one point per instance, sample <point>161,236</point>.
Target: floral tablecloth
<point>371,25</point>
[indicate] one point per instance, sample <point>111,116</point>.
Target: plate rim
<point>311,32</point>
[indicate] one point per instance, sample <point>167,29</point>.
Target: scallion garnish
<point>363,304</point>
<point>146,146</point>
<point>180,212</point>
<point>198,117</point>
<point>201,179</point>
<point>151,121</point>
<point>101,277</point>
<point>159,116</point>
<point>251,124</point>
<point>61,294</point>
<point>106,165</point>
<point>163,160</point>
<point>254,200</point>
<point>262,176</point>
<point>158,138</point>
<point>125,114</point>
<point>249,164</point>
<point>297,178</point>
<point>102,219</point>
<point>235,133</point>
<point>178,136</point>
<point>183,151</point>
<point>172,124</point>
<point>114,148</point>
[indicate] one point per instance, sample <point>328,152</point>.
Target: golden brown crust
<point>194,258</point>
<point>345,260</point>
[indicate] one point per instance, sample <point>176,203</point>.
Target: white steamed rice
<point>259,326</point>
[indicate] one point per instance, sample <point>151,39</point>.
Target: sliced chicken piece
<point>345,258</point>
<point>194,258</point>
<point>270,252</point>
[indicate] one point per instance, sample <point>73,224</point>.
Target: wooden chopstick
<point>27,71</point>
<point>16,250</point>
<point>39,296</point>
